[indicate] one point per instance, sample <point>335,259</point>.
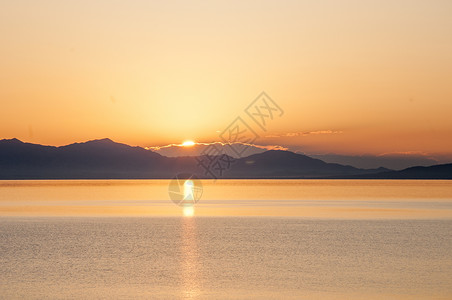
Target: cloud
<point>157,148</point>
<point>305,133</point>
<point>406,153</point>
<point>197,149</point>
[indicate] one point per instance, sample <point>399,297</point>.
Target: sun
<point>188,143</point>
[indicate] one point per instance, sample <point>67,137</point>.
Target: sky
<point>351,77</point>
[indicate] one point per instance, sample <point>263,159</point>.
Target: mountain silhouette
<point>94,159</point>
<point>443,171</point>
<point>286,164</point>
<point>106,159</point>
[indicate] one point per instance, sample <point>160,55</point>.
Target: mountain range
<point>393,161</point>
<point>105,159</point>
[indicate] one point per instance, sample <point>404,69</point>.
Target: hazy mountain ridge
<point>286,164</point>
<point>392,161</point>
<point>105,159</point>
<point>443,171</point>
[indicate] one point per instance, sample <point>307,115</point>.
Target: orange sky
<point>352,77</point>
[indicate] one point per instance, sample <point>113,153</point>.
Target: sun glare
<point>188,143</point>
<point>189,211</point>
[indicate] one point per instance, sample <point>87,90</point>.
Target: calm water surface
<point>303,198</point>
<point>249,239</point>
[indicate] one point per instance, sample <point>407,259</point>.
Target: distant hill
<point>394,161</point>
<point>94,159</point>
<point>286,164</point>
<point>443,171</point>
<point>105,159</point>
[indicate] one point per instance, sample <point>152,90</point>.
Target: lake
<point>266,239</point>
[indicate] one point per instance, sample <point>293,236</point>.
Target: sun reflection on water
<point>189,211</point>
<point>190,259</point>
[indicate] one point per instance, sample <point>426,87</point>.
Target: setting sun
<point>188,143</point>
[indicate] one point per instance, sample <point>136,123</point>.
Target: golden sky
<point>352,77</point>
